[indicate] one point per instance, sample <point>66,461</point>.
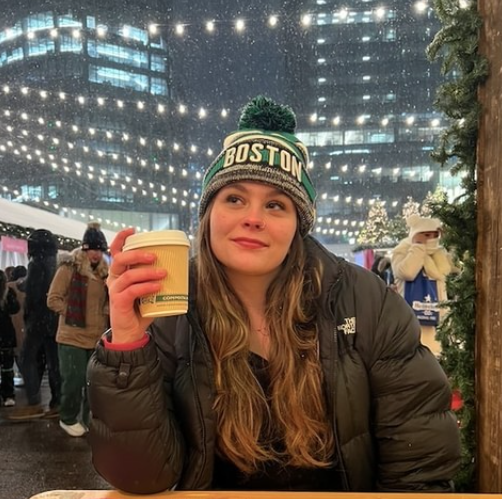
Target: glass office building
<point>86,100</point>
<point>367,107</point>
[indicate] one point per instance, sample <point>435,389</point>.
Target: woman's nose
<point>254,219</point>
<point>255,224</point>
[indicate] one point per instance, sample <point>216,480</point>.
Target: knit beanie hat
<point>417,224</point>
<point>93,238</point>
<point>264,149</point>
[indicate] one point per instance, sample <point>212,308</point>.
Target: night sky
<point>225,68</point>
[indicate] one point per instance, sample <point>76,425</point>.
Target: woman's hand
<point>126,285</point>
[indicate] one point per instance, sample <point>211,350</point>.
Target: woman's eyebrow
<point>274,191</point>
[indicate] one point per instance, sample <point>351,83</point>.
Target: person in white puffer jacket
<point>422,250</point>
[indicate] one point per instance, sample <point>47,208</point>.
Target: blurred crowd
<point>51,316</point>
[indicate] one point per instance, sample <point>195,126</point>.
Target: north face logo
<point>349,326</point>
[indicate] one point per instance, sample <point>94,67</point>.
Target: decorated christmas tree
<point>375,232</point>
<point>411,207</point>
<point>397,227</point>
<point>432,201</point>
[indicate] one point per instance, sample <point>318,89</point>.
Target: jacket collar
<point>333,267</point>
<point>78,259</point>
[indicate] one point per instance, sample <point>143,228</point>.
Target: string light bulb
<point>306,20</point>
<point>240,25</point>
<point>380,13</point>
<point>273,20</point>
<point>421,6</point>
<point>343,14</point>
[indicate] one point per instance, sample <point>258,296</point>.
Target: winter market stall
<point>18,220</point>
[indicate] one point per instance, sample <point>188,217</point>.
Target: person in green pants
<point>78,294</point>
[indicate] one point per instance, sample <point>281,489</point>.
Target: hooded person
<point>78,294</point>
<point>420,266</point>
<point>39,349</point>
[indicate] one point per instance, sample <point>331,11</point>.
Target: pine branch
<point>457,44</point>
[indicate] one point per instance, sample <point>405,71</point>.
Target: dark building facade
<point>91,94</point>
<point>89,117</point>
<point>366,107</point>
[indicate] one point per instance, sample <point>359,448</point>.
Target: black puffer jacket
<point>8,307</point>
<point>38,319</point>
<point>388,397</point>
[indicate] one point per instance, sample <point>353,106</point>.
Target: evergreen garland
<point>456,44</point>
<point>19,232</point>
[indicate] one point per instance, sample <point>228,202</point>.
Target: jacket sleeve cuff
<point>121,347</point>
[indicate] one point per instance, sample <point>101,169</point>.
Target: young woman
<point>292,370</point>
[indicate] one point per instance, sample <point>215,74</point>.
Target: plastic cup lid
<point>156,238</point>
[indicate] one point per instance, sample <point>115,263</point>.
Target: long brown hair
<point>295,414</point>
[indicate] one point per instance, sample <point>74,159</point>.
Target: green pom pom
<point>263,113</point>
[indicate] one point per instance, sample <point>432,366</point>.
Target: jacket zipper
<point>334,369</point>
<point>335,429</point>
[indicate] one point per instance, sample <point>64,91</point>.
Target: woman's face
<point>423,237</point>
<point>252,226</point>
<point>94,256</point>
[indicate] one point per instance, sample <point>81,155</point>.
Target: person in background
<point>8,307</point>
<point>39,349</point>
<point>8,272</point>
<point>420,266</point>
<point>78,294</point>
<point>292,370</point>
<point>17,284</point>
<point>382,268</point>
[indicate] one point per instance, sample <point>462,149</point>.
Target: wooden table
<point>111,494</point>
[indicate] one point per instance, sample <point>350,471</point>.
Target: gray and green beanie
<point>264,149</point>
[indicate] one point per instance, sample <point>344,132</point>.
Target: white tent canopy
<point>29,217</point>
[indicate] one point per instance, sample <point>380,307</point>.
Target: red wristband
<point>126,346</point>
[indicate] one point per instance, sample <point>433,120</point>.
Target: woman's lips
<point>245,242</point>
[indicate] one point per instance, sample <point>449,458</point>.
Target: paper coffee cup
<point>171,248</point>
